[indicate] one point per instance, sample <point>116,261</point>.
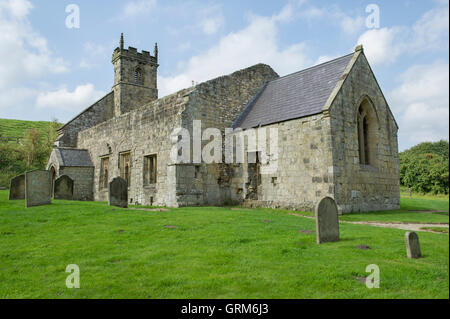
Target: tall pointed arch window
<point>367,126</point>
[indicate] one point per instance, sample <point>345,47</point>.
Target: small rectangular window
<point>150,169</point>
<point>104,173</point>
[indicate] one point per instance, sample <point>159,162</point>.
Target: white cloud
<point>138,7</point>
<point>257,43</point>
<point>212,25</point>
<point>349,24</point>
<point>26,51</point>
<point>421,103</point>
<point>430,30</point>
<point>18,8</point>
<point>26,60</point>
<point>382,45</point>
<point>77,100</point>
<point>385,45</point>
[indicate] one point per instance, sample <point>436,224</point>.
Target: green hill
<point>17,128</point>
<point>24,145</point>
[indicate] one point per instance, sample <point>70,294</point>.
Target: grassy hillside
<point>205,252</point>
<point>17,128</point>
<point>35,143</point>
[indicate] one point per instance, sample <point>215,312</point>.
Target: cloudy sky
<point>48,70</point>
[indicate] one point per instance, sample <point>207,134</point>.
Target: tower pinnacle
<point>121,41</point>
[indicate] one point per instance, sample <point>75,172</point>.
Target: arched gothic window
<point>367,125</point>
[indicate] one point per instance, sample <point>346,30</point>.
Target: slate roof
<point>74,157</point>
<point>297,95</point>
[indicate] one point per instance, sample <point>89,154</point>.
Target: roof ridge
<point>312,67</point>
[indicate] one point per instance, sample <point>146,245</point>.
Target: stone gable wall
<point>360,187</point>
<point>99,112</point>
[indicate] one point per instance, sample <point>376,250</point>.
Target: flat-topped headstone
<point>63,188</point>
<point>37,188</point>
<point>118,193</point>
<point>17,188</point>
<point>327,221</point>
<point>412,245</point>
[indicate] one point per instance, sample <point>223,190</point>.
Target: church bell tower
<point>135,78</point>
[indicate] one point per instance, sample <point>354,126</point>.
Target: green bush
<point>424,168</point>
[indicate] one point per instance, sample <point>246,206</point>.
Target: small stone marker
<point>63,188</point>
<point>37,188</point>
<point>17,188</point>
<point>412,245</point>
<point>327,221</point>
<point>118,193</point>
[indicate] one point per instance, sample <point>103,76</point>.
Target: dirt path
<point>405,226</point>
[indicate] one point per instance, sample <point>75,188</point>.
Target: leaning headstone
<point>412,245</point>
<point>327,221</point>
<point>37,188</point>
<point>118,193</point>
<point>63,188</point>
<point>17,188</point>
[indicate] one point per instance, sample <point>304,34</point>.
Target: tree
<point>424,167</point>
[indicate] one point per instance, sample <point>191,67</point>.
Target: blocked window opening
<point>104,173</point>
<point>125,167</point>
<point>150,170</point>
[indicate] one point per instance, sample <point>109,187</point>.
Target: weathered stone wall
<point>363,187</point>
<point>98,112</point>
<point>142,132</point>
<point>303,174</point>
<point>128,97</point>
<point>83,181</point>
<point>146,131</point>
<point>217,103</point>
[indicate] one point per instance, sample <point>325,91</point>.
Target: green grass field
<point>414,210</point>
<point>17,128</point>
<point>212,253</point>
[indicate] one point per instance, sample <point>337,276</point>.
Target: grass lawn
<point>212,253</point>
<point>410,212</point>
<point>17,128</point>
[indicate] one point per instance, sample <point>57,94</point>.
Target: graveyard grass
<point>212,253</point>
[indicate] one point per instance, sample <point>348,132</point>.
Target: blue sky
<point>50,71</point>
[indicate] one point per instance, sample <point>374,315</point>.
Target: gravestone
<point>118,193</point>
<point>63,188</point>
<point>327,221</point>
<point>412,245</point>
<point>37,188</point>
<point>17,188</point>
